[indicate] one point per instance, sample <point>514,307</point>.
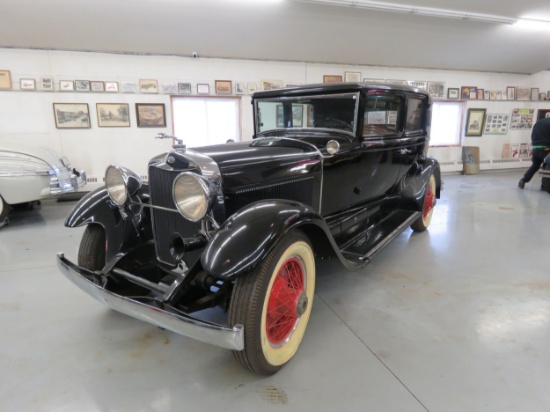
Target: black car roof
<point>335,88</point>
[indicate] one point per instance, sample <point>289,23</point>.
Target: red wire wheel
<point>423,221</point>
<point>273,303</point>
<point>286,302</point>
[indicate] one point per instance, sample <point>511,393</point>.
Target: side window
<point>414,115</point>
<point>382,112</point>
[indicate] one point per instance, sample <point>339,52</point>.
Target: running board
<point>368,243</point>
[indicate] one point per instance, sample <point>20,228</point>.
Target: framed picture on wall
<point>97,86</point>
<point>203,88</point>
<point>82,85</point>
<point>468,92</point>
<point>332,78</point>
<point>224,87</point>
<point>270,84</point>
<point>486,94</point>
<point>113,114</point>
<point>510,93</point>
<point>453,93</point>
<point>184,88</point>
<point>27,84</point>
<point>148,86</point>
<point>128,87</point>
<point>523,93</point>
<point>240,88</point>
<point>111,87</point>
<point>150,115</point>
<point>66,85</point>
<point>534,93</point>
<point>353,77</point>
<point>251,88</point>
<point>480,94</point>
<point>475,122</point>
<point>436,89</point>
<point>71,115</point>
<point>46,83</point>
<point>5,80</point>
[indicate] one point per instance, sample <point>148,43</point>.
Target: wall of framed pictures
<point>112,85</point>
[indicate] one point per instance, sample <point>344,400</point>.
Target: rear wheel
<point>422,223</point>
<point>274,304</point>
<point>91,254</point>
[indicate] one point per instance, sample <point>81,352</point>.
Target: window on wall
<point>207,120</point>
<point>446,124</point>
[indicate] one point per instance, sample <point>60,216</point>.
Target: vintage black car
<point>334,170</point>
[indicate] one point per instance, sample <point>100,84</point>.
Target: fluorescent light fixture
<point>533,24</point>
<point>421,11</point>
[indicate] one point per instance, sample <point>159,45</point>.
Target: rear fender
<point>121,234</point>
<point>247,237</point>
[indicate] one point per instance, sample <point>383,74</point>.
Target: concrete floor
<point>454,319</point>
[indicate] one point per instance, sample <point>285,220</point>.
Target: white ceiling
<point>285,31</point>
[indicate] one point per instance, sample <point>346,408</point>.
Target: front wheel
<point>91,254</point>
<point>422,223</point>
<point>274,304</point>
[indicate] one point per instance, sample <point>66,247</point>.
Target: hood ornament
<point>178,146</point>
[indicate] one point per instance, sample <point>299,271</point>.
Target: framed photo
<point>270,84</point>
<point>113,114</point>
<point>468,92</point>
<point>111,87</point>
<point>128,87</point>
<point>252,87</point>
<point>542,96</point>
<point>47,83</point>
<point>82,85</point>
<point>534,93</point>
<point>480,94</point>
<point>240,88</point>
<point>5,80</point>
<point>523,93</point>
<point>148,86</point>
<point>169,88</point>
<point>395,81</point>
<point>332,78</point>
<point>203,88</point>
<point>66,85</point>
<point>436,89</point>
<point>150,115</point>
<point>184,88</point>
<point>374,80</point>
<point>493,95</point>
<point>71,115</point>
<point>97,86</point>
<point>452,93</point>
<point>500,95</point>
<point>486,95</point>
<point>510,93</point>
<point>27,84</point>
<point>353,77</point>
<point>224,87</point>
<point>419,84</point>
<point>475,122</point>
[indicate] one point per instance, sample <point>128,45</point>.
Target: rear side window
<point>414,115</point>
<point>382,112</point>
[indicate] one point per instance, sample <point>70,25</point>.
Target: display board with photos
<point>496,123</point>
<point>522,119</point>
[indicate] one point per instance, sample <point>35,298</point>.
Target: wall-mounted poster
<point>271,84</point>
<point>515,151</point>
<point>71,115</point>
<point>522,119</point>
<point>5,80</point>
<point>475,122</point>
<point>496,123</point>
<point>524,150</point>
<point>506,151</point>
<point>150,115</point>
<point>148,86</point>
<point>113,114</point>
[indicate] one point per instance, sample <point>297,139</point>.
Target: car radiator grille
<point>168,225</point>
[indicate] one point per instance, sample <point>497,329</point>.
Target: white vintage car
<point>29,174</point>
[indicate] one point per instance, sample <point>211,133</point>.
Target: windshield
<point>335,111</point>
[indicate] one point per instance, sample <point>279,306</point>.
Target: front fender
<point>247,237</point>
<point>121,234</point>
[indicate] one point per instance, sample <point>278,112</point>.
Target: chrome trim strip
<point>225,337</point>
<point>133,202</point>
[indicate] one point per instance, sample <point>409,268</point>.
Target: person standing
<point>540,140</point>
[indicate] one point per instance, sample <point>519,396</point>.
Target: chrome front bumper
<point>229,338</point>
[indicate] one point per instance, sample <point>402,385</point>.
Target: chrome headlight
<point>121,183</point>
<point>192,195</point>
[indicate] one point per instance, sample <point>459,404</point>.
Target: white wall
<point>27,116</point>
